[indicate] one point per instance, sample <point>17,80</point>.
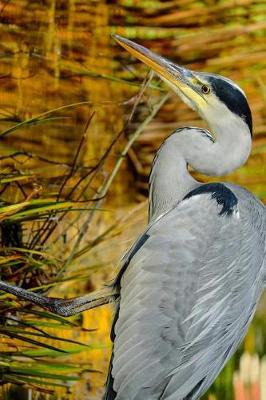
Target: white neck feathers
<point>170,180</point>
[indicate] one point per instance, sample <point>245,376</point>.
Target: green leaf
<point>32,341</point>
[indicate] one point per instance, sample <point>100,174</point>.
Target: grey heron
<point>188,288</point>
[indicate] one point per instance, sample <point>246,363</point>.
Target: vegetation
<point>36,254</point>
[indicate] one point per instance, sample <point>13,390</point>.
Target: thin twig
<point>74,164</point>
<point>110,179</point>
<point>42,116</point>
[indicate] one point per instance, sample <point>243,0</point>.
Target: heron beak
<point>179,78</point>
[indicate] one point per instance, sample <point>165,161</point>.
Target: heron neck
<point>170,180</point>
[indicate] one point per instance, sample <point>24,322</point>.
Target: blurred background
<point>80,121</point>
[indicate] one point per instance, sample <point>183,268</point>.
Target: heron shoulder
<point>219,192</point>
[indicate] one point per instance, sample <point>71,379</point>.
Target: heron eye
<point>205,89</point>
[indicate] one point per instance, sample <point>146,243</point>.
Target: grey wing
<point>187,297</point>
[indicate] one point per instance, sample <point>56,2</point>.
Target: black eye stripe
<point>232,98</point>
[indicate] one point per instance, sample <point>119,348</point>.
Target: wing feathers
<point>187,297</point>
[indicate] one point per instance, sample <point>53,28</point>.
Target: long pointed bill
<point>177,77</point>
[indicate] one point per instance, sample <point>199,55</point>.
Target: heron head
<point>217,99</point>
